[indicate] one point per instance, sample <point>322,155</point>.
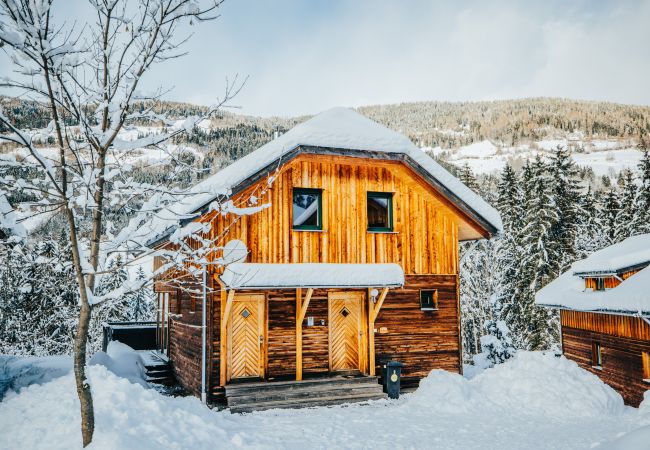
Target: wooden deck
<point>325,391</point>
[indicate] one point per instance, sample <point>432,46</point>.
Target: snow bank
<point>531,402</point>
<point>531,383</point>
<point>123,361</point>
<point>19,372</point>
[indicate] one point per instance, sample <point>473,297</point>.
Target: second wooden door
<point>247,336</point>
<point>345,325</point>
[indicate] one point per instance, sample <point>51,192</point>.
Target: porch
<point>302,328</point>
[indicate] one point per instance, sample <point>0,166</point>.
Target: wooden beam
<point>226,305</point>
<point>305,304</point>
<point>299,315</point>
<point>371,337</point>
<point>377,307</point>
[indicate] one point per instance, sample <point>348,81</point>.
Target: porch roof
<point>311,275</point>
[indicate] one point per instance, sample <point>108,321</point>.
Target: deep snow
<point>534,401</point>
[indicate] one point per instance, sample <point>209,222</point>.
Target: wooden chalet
<point>351,260</point>
<point>604,303</point>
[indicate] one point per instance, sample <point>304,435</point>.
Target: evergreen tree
<point>642,217</point>
<point>627,217</point>
<point>566,193</point>
<point>609,215</point>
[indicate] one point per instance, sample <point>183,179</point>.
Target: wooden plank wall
<point>610,282</point>
<point>624,326</point>
<point>622,363</point>
<point>426,230</point>
<point>422,340</point>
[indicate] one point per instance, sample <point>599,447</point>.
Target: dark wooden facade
<point>424,242</point>
<point>624,343</point>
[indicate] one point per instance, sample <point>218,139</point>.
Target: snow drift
<point>533,401</point>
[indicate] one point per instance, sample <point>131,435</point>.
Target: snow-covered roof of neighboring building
<point>311,275</point>
<point>631,252</point>
<point>8,220</point>
<point>568,291</point>
<point>632,296</point>
<point>337,128</point>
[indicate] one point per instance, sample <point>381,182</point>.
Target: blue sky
<point>302,57</point>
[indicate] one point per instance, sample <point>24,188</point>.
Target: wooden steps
<point>247,397</point>
<point>157,368</point>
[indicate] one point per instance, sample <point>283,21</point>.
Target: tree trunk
<point>83,388</point>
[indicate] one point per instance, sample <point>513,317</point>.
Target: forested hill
<point>511,122</point>
<point>434,124</point>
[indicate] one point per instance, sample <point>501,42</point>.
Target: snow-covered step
<point>301,394</point>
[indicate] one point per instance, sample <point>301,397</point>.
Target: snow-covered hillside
<point>535,401</point>
<point>604,157</point>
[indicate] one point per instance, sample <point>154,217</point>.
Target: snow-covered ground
<point>534,401</point>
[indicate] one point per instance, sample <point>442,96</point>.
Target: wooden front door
<point>247,335</point>
<point>345,324</point>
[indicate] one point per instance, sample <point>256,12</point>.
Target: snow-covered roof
<point>311,275</point>
<point>631,252</point>
<point>8,220</point>
<point>337,128</point>
<point>568,291</point>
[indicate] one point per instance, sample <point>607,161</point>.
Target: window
<point>600,284</point>
<point>646,366</point>
<point>429,299</point>
<point>307,206</point>
<point>596,355</point>
<point>380,211</point>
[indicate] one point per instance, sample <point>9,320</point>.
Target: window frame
<point>308,191</point>
<point>596,355</point>
<point>389,196</point>
<point>600,284</point>
<point>434,299</point>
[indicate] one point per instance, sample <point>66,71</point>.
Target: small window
<point>646,366</point>
<point>307,206</point>
<point>596,355</point>
<point>600,284</point>
<point>380,211</point>
<point>429,300</point>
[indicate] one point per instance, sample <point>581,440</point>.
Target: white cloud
<point>303,57</point>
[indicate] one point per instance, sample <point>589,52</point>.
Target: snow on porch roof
<point>311,275</point>
<point>336,128</point>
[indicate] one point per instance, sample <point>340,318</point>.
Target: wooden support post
<point>226,305</point>
<point>301,310</point>
<point>373,311</point>
<point>298,334</point>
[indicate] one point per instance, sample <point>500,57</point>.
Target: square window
<point>380,211</point>
<point>600,284</point>
<point>307,206</point>
<point>596,355</point>
<point>429,299</point>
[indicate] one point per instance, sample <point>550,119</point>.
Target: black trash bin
<point>394,375</point>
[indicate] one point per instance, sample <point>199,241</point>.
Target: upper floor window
<point>380,211</point>
<point>600,284</point>
<point>307,209</point>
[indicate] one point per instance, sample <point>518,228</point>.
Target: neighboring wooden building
<point>353,262</point>
<point>604,303</point>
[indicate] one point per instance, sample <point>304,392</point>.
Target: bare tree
<point>89,75</point>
